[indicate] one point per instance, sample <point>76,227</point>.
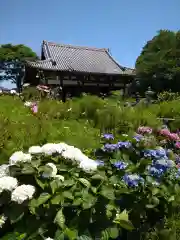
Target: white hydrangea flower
<point>74,154</point>
<point>51,170</point>
<point>22,193</point>
<point>2,220</point>
<point>35,150</point>
<point>60,147</point>
<point>49,148</point>
<point>8,183</point>
<point>28,104</point>
<point>19,157</point>
<point>4,170</point>
<point>49,238</point>
<point>59,177</point>
<point>88,165</point>
<point>27,157</point>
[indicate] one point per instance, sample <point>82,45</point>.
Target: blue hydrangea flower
<point>120,165</point>
<point>155,153</point>
<point>161,152</point>
<point>178,173</point>
<point>150,153</point>
<point>125,144</point>
<point>108,136</point>
<point>133,180</point>
<point>177,159</point>
<point>138,137</point>
<point>110,147</point>
<point>160,167</point>
<point>155,171</point>
<point>165,163</point>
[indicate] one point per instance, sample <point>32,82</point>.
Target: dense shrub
<point>56,191</point>
<point>31,93</point>
<point>167,96</point>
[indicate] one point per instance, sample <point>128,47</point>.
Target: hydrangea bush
<point>55,191</point>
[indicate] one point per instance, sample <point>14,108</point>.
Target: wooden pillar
<point>60,80</point>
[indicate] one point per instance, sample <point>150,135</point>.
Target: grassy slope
<point>78,122</point>
<point>20,129</point>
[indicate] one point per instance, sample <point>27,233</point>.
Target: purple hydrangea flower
<point>125,144</point>
<point>155,153</point>
<point>160,167</point>
<point>133,180</point>
<point>161,152</point>
<point>178,173</point>
<point>177,159</point>
<point>155,171</point>
<point>120,165</point>
<point>108,136</point>
<point>150,153</point>
<point>110,147</point>
<point>138,137</point>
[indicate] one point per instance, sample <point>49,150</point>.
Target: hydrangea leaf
<point>68,183</point>
<point>27,169</point>
<point>57,199</point>
<point>15,213</point>
<point>60,218</point>
<point>107,192</point>
<point>71,233</point>
<point>44,197</point>
<point>59,235</point>
<point>114,232</point>
<point>68,194</point>
<point>41,183</point>
<point>123,220</point>
<point>77,202</point>
<point>85,182</point>
<point>55,185</point>
<point>98,177</point>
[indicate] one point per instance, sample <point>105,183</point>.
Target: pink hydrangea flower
<point>173,137</point>
<point>178,165</point>
<point>143,130</point>
<point>34,108</point>
<point>165,132</point>
<point>177,145</point>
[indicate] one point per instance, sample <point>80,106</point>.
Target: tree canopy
<point>12,59</point>
<point>9,52</point>
<point>159,62</point>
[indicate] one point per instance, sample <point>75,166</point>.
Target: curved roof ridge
<point>75,46</point>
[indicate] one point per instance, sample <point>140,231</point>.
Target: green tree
<point>159,62</point>
<point>9,52</point>
<point>12,59</point>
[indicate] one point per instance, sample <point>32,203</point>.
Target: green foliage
<point>167,96</point>
<point>75,207</point>
<point>31,93</point>
<point>9,52</point>
<point>93,204</point>
<point>157,64</point>
<point>77,122</point>
<point>74,122</point>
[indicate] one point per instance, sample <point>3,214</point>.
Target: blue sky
<point>123,26</point>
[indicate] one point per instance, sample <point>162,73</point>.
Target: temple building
<point>77,69</point>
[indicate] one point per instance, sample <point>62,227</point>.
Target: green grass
<point>79,122</point>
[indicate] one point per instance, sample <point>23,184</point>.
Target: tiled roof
<point>61,57</point>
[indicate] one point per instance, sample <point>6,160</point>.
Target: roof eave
<point>80,72</point>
